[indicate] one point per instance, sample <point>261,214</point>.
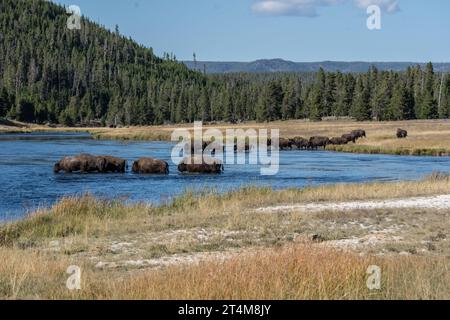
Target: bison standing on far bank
<point>358,133</point>
<point>338,141</point>
<point>301,143</point>
<point>401,134</point>
<point>318,142</point>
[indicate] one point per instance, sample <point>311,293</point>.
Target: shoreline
<point>427,137</point>
<point>143,246</point>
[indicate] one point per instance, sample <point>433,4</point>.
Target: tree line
<point>50,74</point>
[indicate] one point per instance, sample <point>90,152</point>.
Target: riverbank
<point>146,252</point>
<point>426,137</point>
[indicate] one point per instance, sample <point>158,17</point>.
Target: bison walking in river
<point>300,143</point>
<point>150,166</point>
<point>199,164</point>
<point>84,163</point>
<point>286,144</point>
<point>114,164</point>
<point>401,134</point>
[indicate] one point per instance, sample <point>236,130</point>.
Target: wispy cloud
<point>308,8</point>
<point>389,6</point>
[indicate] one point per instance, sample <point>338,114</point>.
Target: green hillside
<point>50,74</point>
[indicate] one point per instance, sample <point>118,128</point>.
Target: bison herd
<point>86,163</point>
<point>315,143</point>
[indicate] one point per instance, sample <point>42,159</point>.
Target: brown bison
<point>358,133</point>
<point>349,137</point>
<point>338,141</point>
<point>285,144</point>
<point>318,142</point>
<point>300,143</point>
<point>114,164</point>
<point>84,163</point>
<point>401,134</point>
<point>199,164</point>
<point>150,166</point>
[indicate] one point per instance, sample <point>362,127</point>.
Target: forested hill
<point>280,65</point>
<point>51,73</point>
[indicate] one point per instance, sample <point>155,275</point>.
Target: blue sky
<point>297,30</point>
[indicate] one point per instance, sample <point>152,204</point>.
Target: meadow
<point>426,137</point>
<point>211,246</point>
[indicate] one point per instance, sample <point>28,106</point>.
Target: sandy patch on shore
<point>435,202</point>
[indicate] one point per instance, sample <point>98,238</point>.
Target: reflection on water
<point>27,180</point>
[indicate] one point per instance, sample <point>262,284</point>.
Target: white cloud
<point>308,8</point>
<point>305,8</point>
<point>389,6</point>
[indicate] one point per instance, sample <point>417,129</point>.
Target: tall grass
<point>294,272</point>
<point>70,216</point>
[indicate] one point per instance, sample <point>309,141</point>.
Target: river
<point>27,180</point>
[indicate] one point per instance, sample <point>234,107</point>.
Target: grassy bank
<point>145,252</point>
<point>426,138</point>
<point>90,216</point>
<point>293,272</point>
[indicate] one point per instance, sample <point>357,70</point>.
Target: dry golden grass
<point>293,272</point>
<point>86,229</point>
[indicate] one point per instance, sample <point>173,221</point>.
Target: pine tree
<point>290,103</point>
<point>269,106</point>
<point>381,98</point>
<point>398,104</point>
<point>428,103</point>
<point>315,99</point>
<point>444,97</point>
<point>25,110</point>
<point>361,110</point>
<point>4,102</point>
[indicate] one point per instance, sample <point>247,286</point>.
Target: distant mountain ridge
<point>280,65</point>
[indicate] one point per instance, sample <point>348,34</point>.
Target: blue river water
<point>27,181</point>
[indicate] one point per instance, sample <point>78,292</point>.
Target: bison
<point>349,137</point>
<point>300,143</point>
<point>318,142</point>
<point>338,141</point>
<point>286,144</point>
<point>114,164</point>
<point>358,133</point>
<point>84,163</point>
<point>199,164</point>
<point>401,134</point>
<point>150,166</point>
